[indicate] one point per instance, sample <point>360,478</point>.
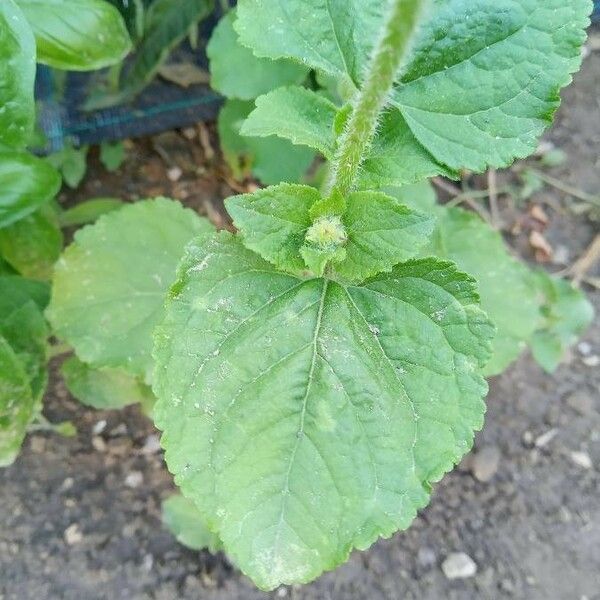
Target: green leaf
<point>132,12</point>
<point>104,389</point>
<point>374,233</point>
<point>33,244</point>
<point>112,155</point>
<point>237,73</point>
<point>305,418</point>
<point>381,233</point>
<point>24,328</point>
<point>26,182</point>
<point>17,406</point>
<point>480,86</point>
<point>335,37</point>
<point>109,285</point>
<point>17,74</point>
<point>71,162</point>
<point>271,159</point>
<point>16,291</point>
<point>274,222</point>
<point>77,35</point>
<point>88,211</point>
<point>477,249</point>
<point>396,158</point>
<point>167,24</point>
<point>183,520</point>
<point>297,114</point>
<point>566,314</point>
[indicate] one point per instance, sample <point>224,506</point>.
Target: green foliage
<point>32,245</point>
<point>374,233</point>
<point>336,405</point>
<point>132,12</point>
<point>105,388</point>
<point>77,35</point>
<point>112,155</point>
<point>166,25</point>
<point>17,74</point>
<point>109,285</point>
<point>297,114</point>
<point>237,73</point>
<point>71,162</point>
<point>476,98</point>
<point>23,373</point>
<point>26,183</point>
<point>270,159</point>
<point>566,315</point>
<point>183,520</point>
<point>88,211</point>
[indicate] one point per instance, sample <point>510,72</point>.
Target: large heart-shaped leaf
<point>17,74</point>
<point>306,418</point>
<point>78,35</point>
<point>480,85</point>
<point>109,285</point>
<point>26,182</point>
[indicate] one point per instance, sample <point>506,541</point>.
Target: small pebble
<point>148,562</point>
<point>99,444</point>
<point>99,427</point>
<point>73,534</point>
<point>120,429</point>
<point>459,565</point>
<point>591,361</point>
<point>584,348</point>
<point>151,445</point>
<point>485,463</point>
<point>582,459</point>
<point>174,174</point>
<point>134,479</point>
<point>67,484</point>
<point>543,440</point>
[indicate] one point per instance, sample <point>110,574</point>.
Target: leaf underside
<point>305,418</point>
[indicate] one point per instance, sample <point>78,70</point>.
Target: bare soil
<point>77,525</point>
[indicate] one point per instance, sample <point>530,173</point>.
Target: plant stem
<point>360,130</point>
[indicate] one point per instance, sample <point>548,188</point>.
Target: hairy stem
<point>360,130</point>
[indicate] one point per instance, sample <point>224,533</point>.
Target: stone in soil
<point>459,565</point>
<point>485,463</point>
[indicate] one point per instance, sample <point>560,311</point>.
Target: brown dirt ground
<point>533,530</point>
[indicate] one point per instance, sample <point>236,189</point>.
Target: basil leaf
<point>26,182</point>
<point>167,24</point>
<point>33,244</point>
<point>305,418</point>
<point>17,74</point>
<point>237,73</point>
<point>77,35</point>
<point>109,285</point>
<point>16,404</point>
